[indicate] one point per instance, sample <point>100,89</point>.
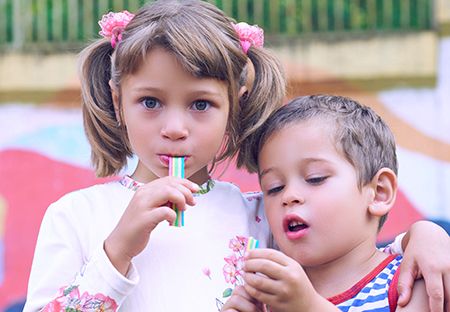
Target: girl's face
<point>315,209</point>
<point>169,112</point>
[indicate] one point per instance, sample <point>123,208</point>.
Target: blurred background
<point>393,55</point>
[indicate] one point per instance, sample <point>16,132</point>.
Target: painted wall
<point>44,154</point>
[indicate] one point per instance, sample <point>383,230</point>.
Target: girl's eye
<point>201,105</point>
<point>275,190</point>
<point>151,103</point>
<point>316,180</point>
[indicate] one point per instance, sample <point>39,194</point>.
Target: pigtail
<point>108,140</point>
<point>266,95</point>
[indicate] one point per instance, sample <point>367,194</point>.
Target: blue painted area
<point>64,143</point>
<point>17,307</point>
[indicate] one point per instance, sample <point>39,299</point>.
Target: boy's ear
<point>115,98</point>
<point>384,186</point>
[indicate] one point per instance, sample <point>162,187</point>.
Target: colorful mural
<point>44,154</point>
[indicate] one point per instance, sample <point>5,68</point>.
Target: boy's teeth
<point>296,226</point>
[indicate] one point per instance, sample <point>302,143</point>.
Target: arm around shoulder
<point>419,299</point>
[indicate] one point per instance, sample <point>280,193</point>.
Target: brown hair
<point>204,41</point>
<point>363,137</point>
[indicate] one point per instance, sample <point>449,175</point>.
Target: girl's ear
<point>115,98</point>
<point>384,186</point>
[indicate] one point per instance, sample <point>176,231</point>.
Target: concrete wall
<point>317,60</point>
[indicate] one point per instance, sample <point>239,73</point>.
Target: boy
<point>328,171</point>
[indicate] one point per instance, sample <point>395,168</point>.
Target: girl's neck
<point>143,175</point>
<point>340,274</point>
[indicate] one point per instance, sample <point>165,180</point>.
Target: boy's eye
<point>275,190</point>
<point>201,105</point>
<point>316,180</point>
<point>151,103</point>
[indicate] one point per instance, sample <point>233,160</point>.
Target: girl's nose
<point>175,127</point>
<point>292,196</point>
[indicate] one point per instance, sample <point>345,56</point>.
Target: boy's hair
<point>204,41</point>
<point>360,134</point>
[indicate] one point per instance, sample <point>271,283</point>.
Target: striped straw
<point>252,243</point>
<point>176,169</point>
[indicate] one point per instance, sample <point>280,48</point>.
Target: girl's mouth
<point>294,226</point>
<point>165,158</point>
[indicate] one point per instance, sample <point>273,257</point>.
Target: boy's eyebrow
<point>264,172</point>
<point>306,160</point>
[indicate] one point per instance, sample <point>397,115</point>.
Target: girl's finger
<point>158,215</point>
<point>435,291</point>
<point>405,283</point>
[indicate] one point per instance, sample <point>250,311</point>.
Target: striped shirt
<point>376,292</point>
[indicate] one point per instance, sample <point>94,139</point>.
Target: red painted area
<point>29,183</point>
<point>402,215</point>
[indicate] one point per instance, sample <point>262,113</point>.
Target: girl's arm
<point>64,273</point>
<point>419,299</point>
<point>426,254</point>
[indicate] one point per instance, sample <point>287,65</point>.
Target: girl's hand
<point>427,255</point>
<point>280,282</point>
<point>240,301</point>
<point>147,208</point>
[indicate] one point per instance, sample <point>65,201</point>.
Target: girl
<point>180,79</point>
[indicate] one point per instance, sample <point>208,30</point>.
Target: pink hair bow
<point>249,35</point>
<point>113,24</point>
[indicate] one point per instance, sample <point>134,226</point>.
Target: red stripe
<point>355,289</point>
<point>393,291</point>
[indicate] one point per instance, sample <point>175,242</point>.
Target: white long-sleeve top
<point>181,269</point>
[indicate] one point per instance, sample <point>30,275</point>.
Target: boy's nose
<point>292,196</point>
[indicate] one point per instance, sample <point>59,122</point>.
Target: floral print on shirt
<point>232,270</point>
<point>69,300</point>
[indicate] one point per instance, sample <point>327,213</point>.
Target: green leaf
<point>227,292</point>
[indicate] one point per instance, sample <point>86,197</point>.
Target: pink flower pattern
<point>113,24</point>
<point>249,35</point>
<point>69,299</point>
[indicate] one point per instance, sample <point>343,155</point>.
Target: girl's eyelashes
<point>151,103</point>
<point>201,105</point>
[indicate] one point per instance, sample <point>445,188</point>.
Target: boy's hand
<point>146,210</point>
<point>240,301</point>
<point>427,255</point>
<point>280,282</point>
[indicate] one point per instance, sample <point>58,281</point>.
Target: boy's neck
<point>340,274</point>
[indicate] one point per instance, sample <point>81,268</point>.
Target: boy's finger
<point>261,283</point>
<point>269,254</point>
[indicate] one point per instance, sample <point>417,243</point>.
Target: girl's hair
<point>204,41</point>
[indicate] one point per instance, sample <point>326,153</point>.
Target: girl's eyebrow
<point>199,92</point>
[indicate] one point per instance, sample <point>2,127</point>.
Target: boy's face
<point>313,204</point>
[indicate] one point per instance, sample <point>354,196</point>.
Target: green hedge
<point>67,23</point>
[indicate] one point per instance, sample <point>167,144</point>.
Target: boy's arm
<point>419,299</point>
<point>426,254</point>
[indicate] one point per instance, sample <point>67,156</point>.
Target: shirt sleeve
<point>65,272</point>
<point>396,246</point>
